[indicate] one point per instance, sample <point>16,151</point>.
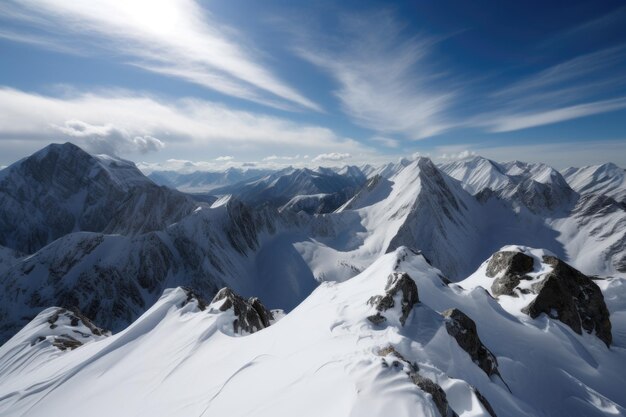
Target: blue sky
<point>271,82</point>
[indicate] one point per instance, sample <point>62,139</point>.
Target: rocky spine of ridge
<point>393,359</point>
<point>398,283</point>
<point>250,315</point>
<point>69,329</point>
<point>463,330</point>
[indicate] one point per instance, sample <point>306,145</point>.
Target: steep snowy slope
<point>589,228</point>
<point>395,340</point>
<point>478,173</point>
<point>594,233</point>
<point>114,278</point>
<point>419,207</point>
<point>62,189</point>
<point>606,179</point>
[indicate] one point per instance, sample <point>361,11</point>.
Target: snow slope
<point>324,358</point>
<point>606,179</point>
<point>588,229</point>
<point>114,278</point>
<point>423,208</point>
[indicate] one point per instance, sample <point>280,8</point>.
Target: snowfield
<point>324,358</point>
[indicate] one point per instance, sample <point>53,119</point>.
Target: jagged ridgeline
<point>390,290</point>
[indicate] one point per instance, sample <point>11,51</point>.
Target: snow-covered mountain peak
<point>606,179</point>
<point>62,189</point>
<point>51,164</point>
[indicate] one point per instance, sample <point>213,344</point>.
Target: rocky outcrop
<point>193,297</point>
<point>567,295</point>
<point>463,329</point>
<point>508,268</point>
<point>69,329</point>
<point>397,283</point>
<point>427,385</point>
<point>250,315</point>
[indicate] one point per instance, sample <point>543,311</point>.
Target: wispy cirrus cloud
<point>132,122</point>
<point>385,82</point>
<point>585,85</point>
<point>177,38</point>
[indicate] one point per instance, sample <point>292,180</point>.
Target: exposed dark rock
<point>573,298</point>
<point>512,267</point>
<point>425,384</point>
<point>265,315</point>
<point>396,282</point>
<point>68,318</point>
<point>463,329</point>
<point>75,317</point>
<point>193,296</point>
<point>250,315</point>
<point>65,342</point>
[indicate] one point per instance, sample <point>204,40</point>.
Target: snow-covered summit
<point>606,179</point>
<point>62,189</point>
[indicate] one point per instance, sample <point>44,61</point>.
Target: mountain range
<point>467,288</point>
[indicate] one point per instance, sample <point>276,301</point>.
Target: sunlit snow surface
<point>321,359</point>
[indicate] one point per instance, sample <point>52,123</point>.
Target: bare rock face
<point>193,297</point>
<point>250,315</point>
<point>397,283</point>
<point>573,298</point>
<point>512,268</point>
<point>427,385</point>
<point>463,329</point>
<point>70,329</point>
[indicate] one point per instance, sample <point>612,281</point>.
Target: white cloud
<point>385,141</point>
<point>133,123</point>
<point>106,139</point>
<point>224,158</point>
<point>507,123</point>
<point>453,156</point>
<point>177,38</point>
<point>333,156</point>
<point>385,82</point>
